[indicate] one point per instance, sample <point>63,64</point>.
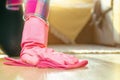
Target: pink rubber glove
<point>13,4</point>
<point>35,52</point>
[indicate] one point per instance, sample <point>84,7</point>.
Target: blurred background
<point>84,22</point>
<point>91,22</point>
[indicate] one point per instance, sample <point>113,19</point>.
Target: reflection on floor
<point>100,67</point>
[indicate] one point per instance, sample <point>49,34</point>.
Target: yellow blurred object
<point>1,52</point>
<point>67,18</point>
<point>54,2</point>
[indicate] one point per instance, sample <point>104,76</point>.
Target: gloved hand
<point>46,58</point>
<point>35,52</point>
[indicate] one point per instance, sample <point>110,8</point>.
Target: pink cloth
<point>45,64</point>
<point>35,52</point>
<point>30,7</point>
<point>13,4</point>
<point>38,8</point>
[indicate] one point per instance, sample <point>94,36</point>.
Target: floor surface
<point>101,67</point>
